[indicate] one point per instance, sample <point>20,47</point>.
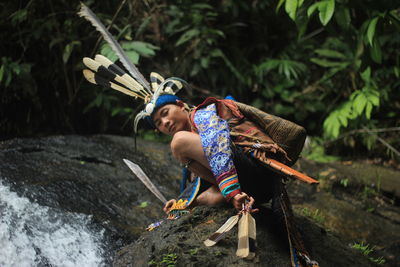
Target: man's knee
<point>180,142</point>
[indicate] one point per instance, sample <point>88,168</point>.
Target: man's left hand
<point>240,199</point>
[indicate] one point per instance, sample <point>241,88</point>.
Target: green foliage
<point>289,68</point>
<point>143,204</point>
<point>371,209</point>
<point>193,251</point>
<point>11,70</point>
<point>358,107</point>
<point>316,151</point>
<point>218,253</point>
<point>168,260</point>
<point>368,192</point>
<point>315,215</point>
<point>344,182</point>
<point>133,49</point>
<point>326,9</point>
<point>152,263</point>
<point>366,250</point>
<point>331,66</point>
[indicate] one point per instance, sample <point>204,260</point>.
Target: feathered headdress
<point>104,72</point>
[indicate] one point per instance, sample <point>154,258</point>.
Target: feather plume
<point>155,79</point>
<point>173,86</point>
<point>221,232</point>
<point>138,117</point>
<point>117,70</point>
<point>109,75</point>
<point>96,79</point>
<point>92,18</point>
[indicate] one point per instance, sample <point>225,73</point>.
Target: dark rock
<point>182,240</point>
<point>87,175</point>
<point>348,205</point>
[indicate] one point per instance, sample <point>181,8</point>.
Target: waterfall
<point>34,235</point>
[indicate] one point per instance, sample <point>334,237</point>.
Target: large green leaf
<point>343,120</point>
<point>343,18</point>
<point>376,51</point>
<point>280,3</point>
<point>19,16</point>
<point>396,71</point>
<point>326,10</point>
<point>371,29</point>
<point>201,6</point>
<point>366,75</point>
<point>106,51</point>
<point>312,8</point>
<point>133,56</point>
<point>291,8</point>
<point>68,50</point>
<point>144,49</point>
<point>327,64</point>
<point>373,97</point>
<point>359,103</point>
<point>332,125</point>
<point>330,53</point>
<point>1,73</point>
<point>188,35</point>
<point>368,110</point>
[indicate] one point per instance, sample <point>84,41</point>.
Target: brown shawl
<point>257,131</point>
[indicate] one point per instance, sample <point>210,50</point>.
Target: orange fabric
<point>230,182</point>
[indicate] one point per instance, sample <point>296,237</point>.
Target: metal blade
<point>146,180</point>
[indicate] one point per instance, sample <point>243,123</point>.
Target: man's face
<point>172,118</point>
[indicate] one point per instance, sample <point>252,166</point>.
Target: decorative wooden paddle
<point>246,235</point>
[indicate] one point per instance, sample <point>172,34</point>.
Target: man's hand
<point>168,205</point>
<point>240,199</point>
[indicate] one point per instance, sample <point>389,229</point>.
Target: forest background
<point>332,66</point>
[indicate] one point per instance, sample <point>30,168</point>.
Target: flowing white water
<point>33,235</point>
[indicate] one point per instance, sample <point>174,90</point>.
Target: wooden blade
<point>221,232</point>
<point>252,238</point>
<point>286,170</point>
<point>243,236</point>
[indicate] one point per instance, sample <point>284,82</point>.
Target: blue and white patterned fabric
<point>215,139</point>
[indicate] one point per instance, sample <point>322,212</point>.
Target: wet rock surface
<point>86,174</point>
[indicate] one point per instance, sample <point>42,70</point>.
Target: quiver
<point>288,135</point>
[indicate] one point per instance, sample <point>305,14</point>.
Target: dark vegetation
<point>332,66</point>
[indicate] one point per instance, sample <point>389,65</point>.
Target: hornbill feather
<point>92,18</point>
